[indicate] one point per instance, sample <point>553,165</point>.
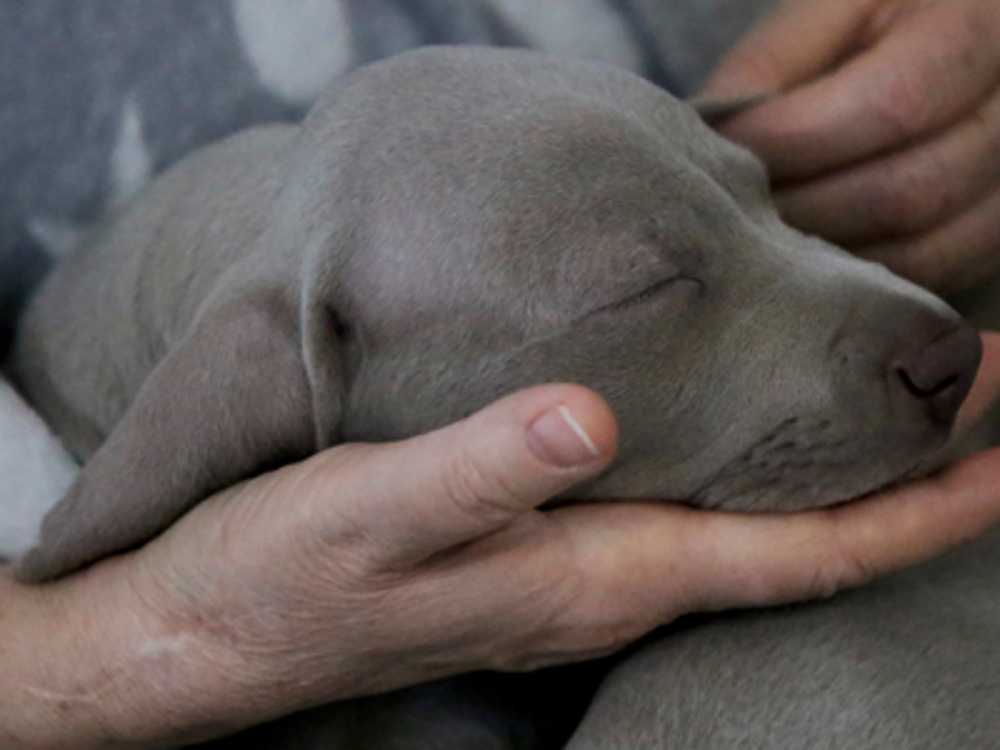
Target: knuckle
<point>565,614</point>
<point>856,570</point>
<point>583,619</point>
<point>929,264</point>
<point>312,481</point>
<point>612,637</point>
<point>568,645</point>
<point>986,123</point>
<point>826,582</point>
<point>913,195</point>
<point>759,64</point>
<point>313,519</point>
<point>980,24</point>
<point>848,567</point>
<point>473,490</point>
<point>903,105</point>
<point>922,262</point>
<point>347,459</point>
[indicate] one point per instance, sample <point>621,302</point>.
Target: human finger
<point>410,500</point>
<point>797,43</point>
<point>958,255</point>
<point>986,389</point>
<point>660,563</point>
<point>774,560</point>
<point>903,193</point>
<point>926,72</point>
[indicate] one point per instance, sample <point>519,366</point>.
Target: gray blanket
<point>98,95</point>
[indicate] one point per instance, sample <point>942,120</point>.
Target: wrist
<point>84,663</point>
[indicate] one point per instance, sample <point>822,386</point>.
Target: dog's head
<point>482,221</point>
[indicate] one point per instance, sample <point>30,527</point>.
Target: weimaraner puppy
<point>444,228</point>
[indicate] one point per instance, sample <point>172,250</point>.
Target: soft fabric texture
<point>35,471</point>
<point>97,96</point>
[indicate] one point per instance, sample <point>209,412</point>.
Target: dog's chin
<point>817,488</point>
<point>786,494</point>
<point>806,463</point>
<point>778,474</point>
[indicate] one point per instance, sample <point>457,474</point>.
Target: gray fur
<point>909,663</point>
<point>445,228</point>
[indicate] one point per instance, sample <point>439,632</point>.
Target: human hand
<point>886,139</point>
<point>371,567</point>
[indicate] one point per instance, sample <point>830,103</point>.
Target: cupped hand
<point>370,567</point>
<point>886,136</point>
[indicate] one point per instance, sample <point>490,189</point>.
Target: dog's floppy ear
<point>228,401</point>
<point>715,110</point>
<point>322,357</point>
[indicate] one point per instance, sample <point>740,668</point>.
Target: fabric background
<point>96,96</point>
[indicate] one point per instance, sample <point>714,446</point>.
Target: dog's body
<point>450,226</point>
<point>911,662</point>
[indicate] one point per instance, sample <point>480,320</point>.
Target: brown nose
<point>940,373</point>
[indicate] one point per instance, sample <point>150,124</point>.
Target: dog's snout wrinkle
<point>780,470</point>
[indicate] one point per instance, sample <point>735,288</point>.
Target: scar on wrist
<point>158,649</point>
<point>156,653</point>
<point>66,699</point>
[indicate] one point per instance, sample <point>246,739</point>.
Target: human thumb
<point>418,497</point>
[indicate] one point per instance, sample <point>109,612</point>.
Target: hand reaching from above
<point>886,138</point>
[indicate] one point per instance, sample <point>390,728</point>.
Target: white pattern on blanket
<point>35,471</point>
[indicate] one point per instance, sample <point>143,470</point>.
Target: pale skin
<point>373,567</point>
<point>885,137</point>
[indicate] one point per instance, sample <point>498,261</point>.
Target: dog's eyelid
<point>648,293</point>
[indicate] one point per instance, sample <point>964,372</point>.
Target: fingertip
<point>592,414</point>
<point>989,367</point>
<point>731,82</point>
<point>793,44</point>
<point>986,388</point>
<point>569,425</point>
<point>882,88</point>
<point>988,376</point>
<point>716,110</point>
<point>991,349</point>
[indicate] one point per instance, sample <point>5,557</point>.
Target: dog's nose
<point>940,373</point>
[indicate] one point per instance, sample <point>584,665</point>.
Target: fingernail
<point>556,438</point>
<point>735,96</point>
<point>715,109</point>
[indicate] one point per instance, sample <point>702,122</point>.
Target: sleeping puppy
<point>447,227</point>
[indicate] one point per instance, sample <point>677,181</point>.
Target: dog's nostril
<point>916,390</point>
<point>940,374</point>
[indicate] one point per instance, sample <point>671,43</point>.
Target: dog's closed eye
<point>653,292</point>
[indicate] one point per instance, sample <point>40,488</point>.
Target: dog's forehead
<point>425,103</point>
<point>557,164</point>
<point>522,170</point>
<point>448,130</point>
